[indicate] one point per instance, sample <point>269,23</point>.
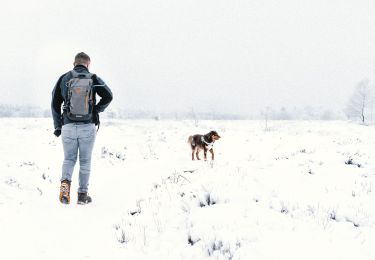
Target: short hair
<point>81,58</point>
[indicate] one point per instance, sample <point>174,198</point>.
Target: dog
<point>203,142</point>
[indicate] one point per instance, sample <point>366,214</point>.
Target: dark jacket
<point>59,95</point>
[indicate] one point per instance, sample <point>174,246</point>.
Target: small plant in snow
<point>192,241</point>
<point>311,210</point>
<point>46,177</point>
<point>217,248</point>
<point>359,218</point>
<point>256,198</point>
<point>207,200</point>
<point>350,161</point>
<point>27,164</point>
<point>284,209</point>
<point>367,187</point>
<point>107,153</point>
<point>121,234</point>
<point>332,214</point>
<point>123,239</point>
<point>177,178</point>
<point>40,191</point>
<point>214,246</point>
<point>13,183</point>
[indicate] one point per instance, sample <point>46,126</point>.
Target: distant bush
<point>23,111</point>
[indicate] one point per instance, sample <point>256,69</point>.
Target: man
<point>76,90</point>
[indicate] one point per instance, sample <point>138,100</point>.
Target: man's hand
<point>57,132</point>
<point>95,115</point>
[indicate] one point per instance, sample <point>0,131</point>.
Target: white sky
<point>234,56</point>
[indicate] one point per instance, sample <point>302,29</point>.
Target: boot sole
<point>64,200</point>
<point>83,203</point>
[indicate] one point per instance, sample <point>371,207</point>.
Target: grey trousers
<point>78,137</point>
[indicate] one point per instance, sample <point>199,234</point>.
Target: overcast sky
<point>233,56</point>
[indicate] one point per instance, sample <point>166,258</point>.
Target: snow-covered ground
<point>301,190</point>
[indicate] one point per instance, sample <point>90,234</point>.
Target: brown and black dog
<point>203,142</point>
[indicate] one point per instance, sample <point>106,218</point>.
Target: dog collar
<point>210,145</point>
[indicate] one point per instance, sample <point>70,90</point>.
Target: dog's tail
<point>190,140</point>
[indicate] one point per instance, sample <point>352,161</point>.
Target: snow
<point>300,190</point>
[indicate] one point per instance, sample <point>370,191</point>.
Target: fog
<point>234,56</point>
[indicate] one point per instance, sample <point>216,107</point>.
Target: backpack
<point>79,106</point>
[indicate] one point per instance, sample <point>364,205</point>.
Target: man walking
<point>75,92</point>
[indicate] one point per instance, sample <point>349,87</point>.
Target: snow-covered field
<point>301,190</point>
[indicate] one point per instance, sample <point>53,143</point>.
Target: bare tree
<point>360,103</point>
<point>284,114</point>
<point>195,117</point>
<point>266,114</point>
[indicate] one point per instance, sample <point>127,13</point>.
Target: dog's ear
<point>214,133</point>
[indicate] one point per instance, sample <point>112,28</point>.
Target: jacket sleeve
<point>56,103</point>
<point>104,92</point>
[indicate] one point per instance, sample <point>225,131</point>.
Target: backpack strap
<point>74,74</point>
<point>85,75</point>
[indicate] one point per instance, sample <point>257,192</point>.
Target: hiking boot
<point>65,192</point>
<point>84,198</point>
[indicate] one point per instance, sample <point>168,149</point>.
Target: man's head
<point>82,59</point>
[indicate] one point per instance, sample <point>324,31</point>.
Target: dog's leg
<point>192,154</point>
<point>212,154</point>
<point>197,154</point>
<point>205,154</point>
